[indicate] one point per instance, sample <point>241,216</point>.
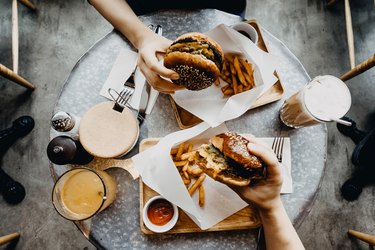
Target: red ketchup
<point>160,212</point>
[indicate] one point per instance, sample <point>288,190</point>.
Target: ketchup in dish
<point>160,212</point>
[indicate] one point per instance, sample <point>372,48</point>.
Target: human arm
<point>278,229</point>
<point>150,45</point>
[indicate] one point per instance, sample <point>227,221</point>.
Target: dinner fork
<point>125,95</point>
<point>127,91</point>
<point>122,97</point>
<point>278,147</point>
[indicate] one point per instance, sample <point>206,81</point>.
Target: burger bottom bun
<point>195,72</point>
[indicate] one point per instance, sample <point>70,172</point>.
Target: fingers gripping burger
<point>196,58</point>
<point>226,159</point>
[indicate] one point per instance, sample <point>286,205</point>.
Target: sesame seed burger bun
<point>196,58</point>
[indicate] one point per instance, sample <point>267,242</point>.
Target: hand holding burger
<point>279,232</point>
<point>151,49</point>
<point>246,164</point>
<point>264,193</point>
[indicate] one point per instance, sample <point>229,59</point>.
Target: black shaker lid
<point>61,150</point>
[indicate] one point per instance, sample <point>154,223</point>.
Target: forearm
<point>122,17</point>
<point>278,229</point>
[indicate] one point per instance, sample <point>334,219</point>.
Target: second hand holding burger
<point>227,160</point>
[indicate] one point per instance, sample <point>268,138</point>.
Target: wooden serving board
<point>186,120</point>
<point>246,218</point>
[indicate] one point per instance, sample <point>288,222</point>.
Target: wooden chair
<point>370,239</point>
<point>349,30</point>
<point>360,68</point>
<point>9,238</point>
<point>4,71</point>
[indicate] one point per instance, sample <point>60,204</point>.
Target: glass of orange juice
<point>80,193</point>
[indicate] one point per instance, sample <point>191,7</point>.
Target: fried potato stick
<point>195,172</point>
<point>196,184</point>
<point>228,91</point>
<point>180,150</point>
<point>201,196</point>
<point>187,155</point>
<point>174,151</point>
<point>180,163</point>
<point>237,67</point>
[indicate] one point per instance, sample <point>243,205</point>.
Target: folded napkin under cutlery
<point>122,68</point>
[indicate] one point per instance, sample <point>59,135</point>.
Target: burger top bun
<point>235,146</point>
<point>196,58</point>
<point>226,159</point>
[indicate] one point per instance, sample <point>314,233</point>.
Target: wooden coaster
<point>107,133</point>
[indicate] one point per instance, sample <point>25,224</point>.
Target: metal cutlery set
<point>122,98</point>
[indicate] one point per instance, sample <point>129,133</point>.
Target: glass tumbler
<point>80,193</point>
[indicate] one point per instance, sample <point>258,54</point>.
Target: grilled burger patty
<point>195,47</point>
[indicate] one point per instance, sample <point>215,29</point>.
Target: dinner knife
<point>153,94</point>
<point>148,95</point>
<point>143,103</point>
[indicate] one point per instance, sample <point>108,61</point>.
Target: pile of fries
<point>238,72</point>
<point>184,158</point>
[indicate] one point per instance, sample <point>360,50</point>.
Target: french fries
<point>238,73</point>
<point>201,196</point>
<point>184,159</point>
<point>196,184</point>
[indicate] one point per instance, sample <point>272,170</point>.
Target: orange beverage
<point>81,193</point>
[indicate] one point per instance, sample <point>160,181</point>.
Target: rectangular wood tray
<point>186,120</point>
<point>246,218</point>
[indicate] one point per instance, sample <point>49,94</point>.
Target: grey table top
<point>118,227</point>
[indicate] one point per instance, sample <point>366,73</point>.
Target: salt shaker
<point>65,123</point>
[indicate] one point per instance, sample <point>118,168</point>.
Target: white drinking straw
<point>343,122</point>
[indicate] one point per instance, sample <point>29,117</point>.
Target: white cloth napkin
<point>121,70</point>
<point>158,171</point>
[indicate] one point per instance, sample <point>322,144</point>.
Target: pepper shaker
<point>64,150</point>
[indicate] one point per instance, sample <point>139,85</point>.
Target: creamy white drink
<point>324,99</point>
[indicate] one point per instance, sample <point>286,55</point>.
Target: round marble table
<point>118,226</point>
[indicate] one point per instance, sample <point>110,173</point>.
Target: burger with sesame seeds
<point>227,160</point>
<point>196,58</point>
